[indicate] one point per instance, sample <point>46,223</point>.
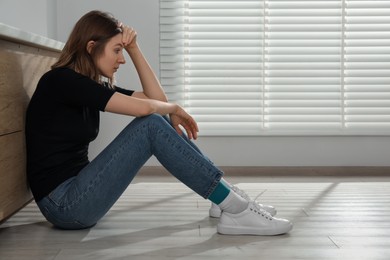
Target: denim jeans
<point>81,201</point>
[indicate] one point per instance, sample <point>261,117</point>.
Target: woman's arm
<point>152,99</point>
<point>138,107</point>
<point>150,84</point>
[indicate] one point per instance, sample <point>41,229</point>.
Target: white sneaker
<point>252,221</point>
<point>215,211</point>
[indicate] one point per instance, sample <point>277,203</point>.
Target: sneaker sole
<point>234,230</point>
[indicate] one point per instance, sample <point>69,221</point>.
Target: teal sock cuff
<point>220,193</point>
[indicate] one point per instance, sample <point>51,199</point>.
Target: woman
<point>63,118</point>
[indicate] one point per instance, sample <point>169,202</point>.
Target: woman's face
<point>112,57</point>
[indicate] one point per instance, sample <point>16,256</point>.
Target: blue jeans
<point>81,201</point>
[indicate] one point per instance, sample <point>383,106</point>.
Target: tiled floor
<point>159,218</point>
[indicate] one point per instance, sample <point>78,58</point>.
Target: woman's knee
<point>148,126</point>
<point>156,119</point>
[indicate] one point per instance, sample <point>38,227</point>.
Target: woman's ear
<point>90,46</point>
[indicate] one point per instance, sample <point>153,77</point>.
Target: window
<point>272,67</point>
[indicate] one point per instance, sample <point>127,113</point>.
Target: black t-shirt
<point>62,119</point>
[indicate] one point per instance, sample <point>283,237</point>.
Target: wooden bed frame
<point>23,60</point>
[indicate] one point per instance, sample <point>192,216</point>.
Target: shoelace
<point>257,209</point>
<point>257,206</point>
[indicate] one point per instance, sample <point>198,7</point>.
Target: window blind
<point>302,66</point>
<point>366,67</point>
<point>278,67</point>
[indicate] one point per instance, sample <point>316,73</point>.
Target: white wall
<point>143,15</point>
<point>32,16</point>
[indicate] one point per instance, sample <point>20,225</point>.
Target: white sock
<point>226,182</point>
<point>233,203</point>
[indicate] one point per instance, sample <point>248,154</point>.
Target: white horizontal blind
<point>278,67</point>
<point>302,66</point>
<point>211,62</point>
<point>367,66</point>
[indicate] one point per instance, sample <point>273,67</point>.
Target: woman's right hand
<point>129,37</point>
<point>181,118</point>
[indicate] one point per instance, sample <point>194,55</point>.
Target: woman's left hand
<point>182,118</point>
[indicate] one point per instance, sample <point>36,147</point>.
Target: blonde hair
<point>95,26</point>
